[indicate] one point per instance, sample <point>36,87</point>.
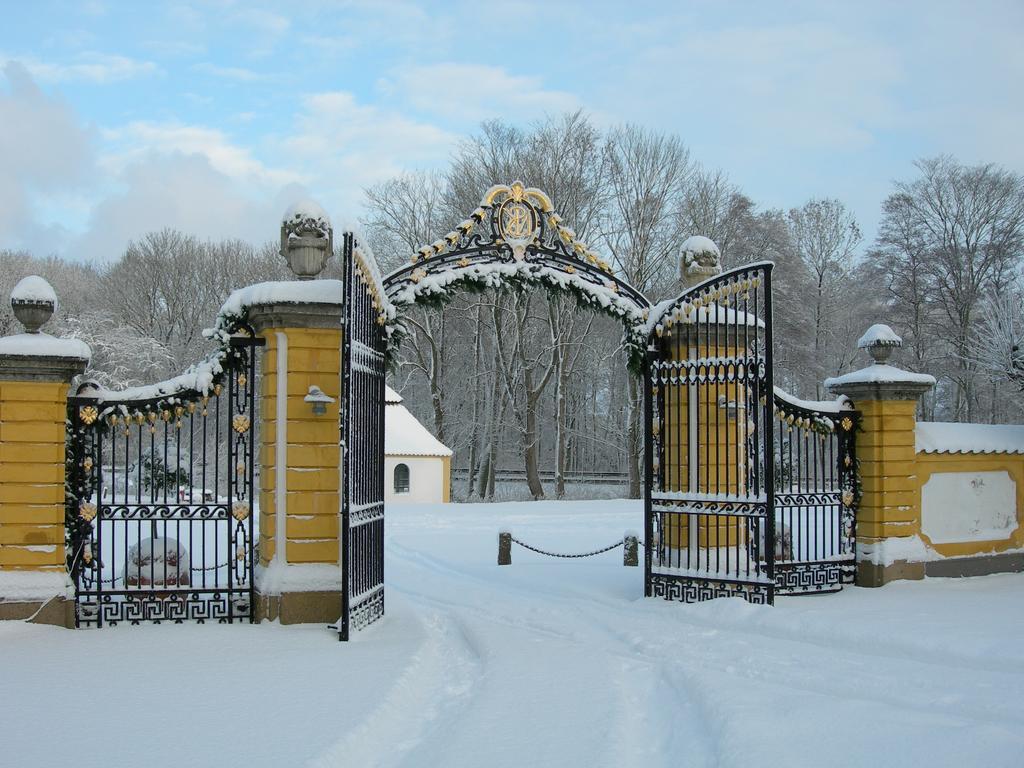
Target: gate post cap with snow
<point>34,355</point>
<point>880,380</point>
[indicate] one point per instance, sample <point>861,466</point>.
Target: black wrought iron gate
<point>815,495</point>
<point>709,447</point>
<point>159,505</point>
<point>362,442</point>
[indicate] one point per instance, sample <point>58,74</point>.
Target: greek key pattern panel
<point>687,590</point>
<point>368,611</point>
<point>803,578</point>
<point>176,608</point>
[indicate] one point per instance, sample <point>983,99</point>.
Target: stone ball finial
<point>307,238</point>
<point>33,301</point>
<point>880,340</point>
<point>699,259</point>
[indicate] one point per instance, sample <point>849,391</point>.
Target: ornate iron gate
<point>362,442</point>
<point>815,495</point>
<point>160,495</point>
<point>710,485</point>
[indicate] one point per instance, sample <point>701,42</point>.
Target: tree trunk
<point>561,428</point>
<point>474,437</point>
<point>530,439</point>
<point>633,437</point>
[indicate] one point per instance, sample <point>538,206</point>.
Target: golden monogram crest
<point>517,212</point>
<point>516,220</point>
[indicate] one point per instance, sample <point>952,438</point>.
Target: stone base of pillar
<point>299,607</point>
<point>979,565</point>
<point>57,611</point>
<point>871,575</point>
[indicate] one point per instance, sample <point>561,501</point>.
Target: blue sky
<point>118,118</point>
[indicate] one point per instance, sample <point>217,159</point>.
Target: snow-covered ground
<point>542,663</point>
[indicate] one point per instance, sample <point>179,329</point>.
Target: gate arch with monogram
<point>749,492</point>
<point>159,498</point>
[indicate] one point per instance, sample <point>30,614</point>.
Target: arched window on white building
<point>401,478</point>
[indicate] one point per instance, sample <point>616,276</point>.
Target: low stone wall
<point>967,516</point>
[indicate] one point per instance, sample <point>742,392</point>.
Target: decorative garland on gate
<point>515,240</point>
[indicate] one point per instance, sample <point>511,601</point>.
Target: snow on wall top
<point>44,345</point>
<point>405,436</point>
<point>29,586</point>
<point>278,577</point>
<point>879,373</point>
<point>198,378</point>
<point>34,288</point>
<point>879,333</point>
<point>390,396</point>
<point>841,403</point>
<point>943,437</point>
<point>283,292</point>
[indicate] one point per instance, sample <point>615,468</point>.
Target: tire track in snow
<point>862,684</point>
<point>440,678</point>
<point>896,650</point>
<point>642,683</point>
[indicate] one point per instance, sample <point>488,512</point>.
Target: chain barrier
<point>116,579</point>
<point>609,548</point>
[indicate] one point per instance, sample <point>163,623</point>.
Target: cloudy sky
<point>120,118</point>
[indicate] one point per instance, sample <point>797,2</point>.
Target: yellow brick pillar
<point>299,581</point>
<point>889,510</point>
<point>704,434</point>
<point>35,372</point>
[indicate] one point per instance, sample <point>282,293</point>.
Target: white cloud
<point>477,91</point>
<point>141,138</point>
<point>240,74</point>
<point>183,192</point>
<point>90,66</point>
<point>808,84</point>
<point>45,151</point>
<point>344,146</point>
<point>264,21</point>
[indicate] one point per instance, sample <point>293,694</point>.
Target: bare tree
<point>825,237</point>
<point>968,222</point>
<point>646,175</point>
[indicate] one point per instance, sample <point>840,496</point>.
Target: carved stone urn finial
<point>307,239</point>
<point>699,259</point>
<point>33,301</point>
<point>880,340</point>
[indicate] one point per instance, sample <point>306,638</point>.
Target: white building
<point>417,466</point>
